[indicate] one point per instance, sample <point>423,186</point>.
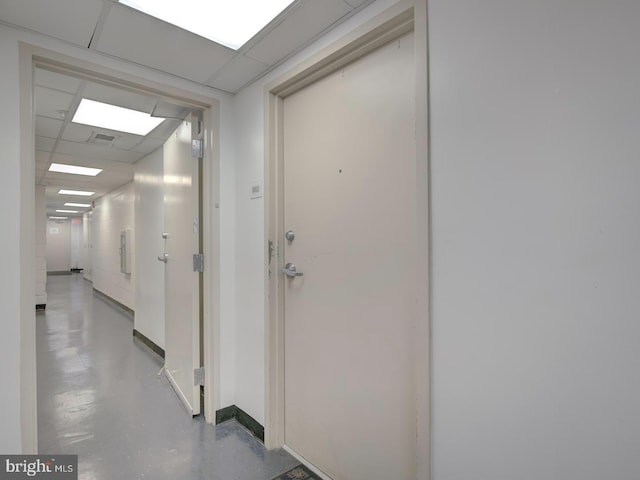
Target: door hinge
<point>198,376</point>
<point>198,262</point>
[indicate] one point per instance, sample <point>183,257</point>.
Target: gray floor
<point>100,396</point>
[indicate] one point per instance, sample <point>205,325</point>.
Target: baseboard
<point>114,302</point>
<point>149,343</point>
<point>58,273</point>
<point>243,418</point>
<point>41,307</point>
<point>76,270</point>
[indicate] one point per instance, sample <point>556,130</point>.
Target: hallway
<point>100,396</point>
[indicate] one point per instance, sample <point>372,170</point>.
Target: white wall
<point>58,246</point>
<point>113,213</point>
<point>13,310</point>
<point>76,238</point>
<point>41,246</point>
<point>535,110</point>
<point>250,247</point>
<point>149,223</point>
<point>87,245</point>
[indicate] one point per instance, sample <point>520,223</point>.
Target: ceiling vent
<point>102,139</point>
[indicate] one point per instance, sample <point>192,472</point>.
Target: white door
<point>182,284</point>
<point>349,199</point>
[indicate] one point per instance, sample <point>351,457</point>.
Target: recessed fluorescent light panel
<point>75,170</point>
<point>82,205</point>
<point>58,218</point>
<point>231,23</point>
<point>67,211</point>
<point>75,192</point>
<point>104,115</point>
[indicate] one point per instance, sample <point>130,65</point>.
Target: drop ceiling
<point>114,29</point>
<point>111,28</point>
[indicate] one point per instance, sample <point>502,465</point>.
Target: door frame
<point>32,56</point>
<point>403,17</point>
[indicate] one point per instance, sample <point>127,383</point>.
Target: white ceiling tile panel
<point>48,102</point>
<point>119,97</point>
<point>237,73</point>
<point>140,38</point>
<point>70,20</point>
<point>149,145</point>
<point>44,144</point>
<point>75,132</point>
<point>307,21</point>
<point>56,81</point>
<point>93,151</point>
<point>48,127</point>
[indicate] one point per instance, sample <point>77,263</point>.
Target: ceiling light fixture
<point>230,23</point>
<point>58,218</point>
<point>74,169</point>
<point>104,115</point>
<point>67,211</point>
<point>82,205</point>
<point>75,192</point>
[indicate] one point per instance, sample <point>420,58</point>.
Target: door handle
<point>163,258</point>
<point>290,270</point>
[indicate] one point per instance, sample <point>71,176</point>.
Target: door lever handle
<point>290,270</point>
<point>163,258</point>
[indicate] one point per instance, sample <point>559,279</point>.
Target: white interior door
<point>182,284</point>
<point>349,199</point>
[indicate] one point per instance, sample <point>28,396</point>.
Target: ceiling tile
<point>56,81</point>
<point>307,21</point>
<point>70,20</point>
<point>48,102</point>
<point>149,145</point>
<point>48,127</point>
<point>119,97</point>
<point>93,151</point>
<point>75,132</point>
<point>134,36</point>
<point>44,144</point>
<point>237,73</point>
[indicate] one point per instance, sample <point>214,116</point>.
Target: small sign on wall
<point>256,189</point>
<point>54,231</point>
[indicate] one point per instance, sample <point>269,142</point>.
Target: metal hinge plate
<point>198,262</point>
<point>198,376</point>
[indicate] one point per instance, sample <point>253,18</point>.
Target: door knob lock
<point>290,270</point>
<point>290,235</point>
<point>163,258</point>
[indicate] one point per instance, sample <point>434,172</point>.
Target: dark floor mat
<point>299,472</point>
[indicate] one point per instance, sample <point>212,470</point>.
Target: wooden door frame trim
<point>32,56</point>
<point>405,16</point>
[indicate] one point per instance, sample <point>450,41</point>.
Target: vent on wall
<point>102,139</point>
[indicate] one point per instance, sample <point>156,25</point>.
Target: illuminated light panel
<point>231,23</point>
<point>104,115</point>
<point>67,211</point>
<point>82,205</point>
<point>75,192</point>
<point>74,169</point>
<point>58,218</point>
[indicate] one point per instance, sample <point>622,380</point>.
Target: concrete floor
<point>100,396</point>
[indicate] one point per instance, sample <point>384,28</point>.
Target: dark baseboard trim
<point>113,302</point>
<point>149,343</point>
<point>76,270</point>
<point>41,306</point>
<point>243,418</point>
<point>60,272</point>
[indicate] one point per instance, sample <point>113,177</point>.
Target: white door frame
<point>405,16</point>
<point>31,56</point>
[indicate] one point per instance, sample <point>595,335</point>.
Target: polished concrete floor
<point>100,396</point>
